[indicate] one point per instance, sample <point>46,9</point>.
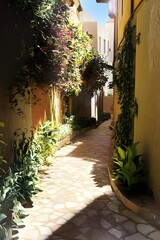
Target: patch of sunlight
<point>66,150</point>
<point>91,159</point>
<point>78,143</point>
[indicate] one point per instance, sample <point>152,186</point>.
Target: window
<point>104,43</point>
<point>108,47</point>
<point>99,44</point>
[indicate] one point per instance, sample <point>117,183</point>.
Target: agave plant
<point>128,166</point>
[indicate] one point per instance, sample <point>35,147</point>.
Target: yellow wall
<point>122,20</point>
<point>147,85</point>
<point>12,120</point>
<point>136,2</point>
<point>50,107</point>
<point>147,124</point>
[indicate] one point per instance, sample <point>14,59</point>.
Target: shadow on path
<point>95,222</point>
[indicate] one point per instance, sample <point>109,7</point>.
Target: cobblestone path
<point>77,202</point>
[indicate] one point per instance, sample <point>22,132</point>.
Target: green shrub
<point>77,122</point>
<point>26,163</point>
<point>46,138</point>
<point>64,130</point>
<point>128,166</point>
<point>2,161</point>
<point>105,116</point>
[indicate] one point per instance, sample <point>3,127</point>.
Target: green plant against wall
<point>26,163</point>
<point>59,52</point>
<point>78,122</point>
<point>129,169</point>
<point>3,216</point>
<point>124,80</point>
<point>2,143</point>
<point>46,140</point>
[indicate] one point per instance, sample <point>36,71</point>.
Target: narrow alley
<point>77,202</point>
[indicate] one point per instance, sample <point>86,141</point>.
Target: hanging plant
<point>124,80</point>
<point>95,74</point>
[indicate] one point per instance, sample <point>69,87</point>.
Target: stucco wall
<point>122,20</point>
<point>91,27</point>
<point>136,2</point>
<point>147,124</point>
<point>108,104</point>
<point>12,120</point>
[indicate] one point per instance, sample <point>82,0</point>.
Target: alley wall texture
<point>147,83</point>
<point>147,90</point>
<point>14,29</point>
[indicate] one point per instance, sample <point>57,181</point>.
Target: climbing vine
<point>124,81</point>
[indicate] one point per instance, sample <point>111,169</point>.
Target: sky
<point>97,10</point>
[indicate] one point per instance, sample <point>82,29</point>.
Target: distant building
<point>103,42</point>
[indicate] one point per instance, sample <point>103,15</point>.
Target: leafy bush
<point>128,166</point>
<point>18,184</point>
<point>46,138</point>
<point>26,164</point>
<point>77,122</point>
<point>2,161</point>
<point>105,116</point>
<point>64,130</point>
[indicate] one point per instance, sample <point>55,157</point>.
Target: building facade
<point>146,16</point>
<point>103,43</point>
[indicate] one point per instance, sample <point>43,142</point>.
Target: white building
<point>103,42</point>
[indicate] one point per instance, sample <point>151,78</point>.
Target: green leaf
<point>132,167</point>
<point>121,152</point>
<point>118,162</point>
<point>2,217</point>
<point>2,232</point>
<point>2,124</point>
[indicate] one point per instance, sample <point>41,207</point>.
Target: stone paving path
<point>77,202</point>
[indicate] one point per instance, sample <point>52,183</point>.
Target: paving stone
<point>79,220</point>
<point>136,236</point>
<point>145,228</point>
<point>117,233</point>
<point>106,212</point>
<point>113,207</point>
<point>58,206</point>
<point>105,224</point>
<point>45,230</point>
<point>85,229</point>
<point>71,204</point>
<point>42,218</point>
<point>61,221</point>
<point>129,226</point>
<point>68,216</point>
<point>31,234</point>
<point>119,218</point>
<point>92,213</point>
<point>155,235</point>
<point>100,234</point>
<point>81,237</point>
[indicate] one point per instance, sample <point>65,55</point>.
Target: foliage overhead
<point>58,54</point>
